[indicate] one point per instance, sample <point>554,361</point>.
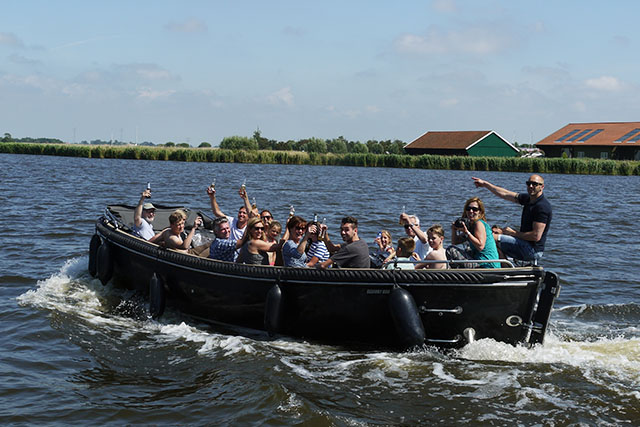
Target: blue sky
<point>201,70</point>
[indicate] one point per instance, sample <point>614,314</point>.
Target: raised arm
<point>324,236</point>
<point>245,198</point>
<point>137,213</point>
<point>498,191</point>
<point>211,192</point>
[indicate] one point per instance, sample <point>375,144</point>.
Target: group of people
<point>253,236</point>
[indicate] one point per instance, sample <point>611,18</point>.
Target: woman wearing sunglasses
<point>254,249</point>
<point>477,232</point>
<point>293,251</point>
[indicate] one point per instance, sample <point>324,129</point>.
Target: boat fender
<point>273,310</point>
<point>93,254</point>
<point>156,296</point>
<point>104,268</point>
<point>406,318</point>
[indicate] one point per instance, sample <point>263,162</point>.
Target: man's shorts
<point>518,249</point>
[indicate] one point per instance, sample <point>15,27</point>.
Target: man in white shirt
<point>143,217</point>
<point>412,228</point>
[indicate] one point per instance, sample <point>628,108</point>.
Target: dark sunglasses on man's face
<point>533,183</point>
<point>266,217</point>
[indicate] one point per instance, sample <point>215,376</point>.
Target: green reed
<point>214,155</point>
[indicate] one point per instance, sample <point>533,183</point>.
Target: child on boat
<point>435,237</point>
<point>403,260</point>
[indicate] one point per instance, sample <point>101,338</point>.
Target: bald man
<point>528,243</point>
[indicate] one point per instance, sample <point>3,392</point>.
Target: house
<point>462,143</point>
<point>615,140</point>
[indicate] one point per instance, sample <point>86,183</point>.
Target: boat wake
<point>602,342</point>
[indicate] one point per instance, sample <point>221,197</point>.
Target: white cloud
<point>151,94</point>
<point>372,109</point>
<point>23,60</point>
<point>281,97</point>
<point>450,102</point>
<point>447,6</point>
<point>473,40</point>
<point>191,25</point>
<point>10,39</point>
<point>604,83</point>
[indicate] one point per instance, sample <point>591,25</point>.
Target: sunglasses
<point>533,183</point>
<point>266,217</point>
<point>472,209</point>
<point>258,228</point>
<point>407,226</point>
<point>301,228</point>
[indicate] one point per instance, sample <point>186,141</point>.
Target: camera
<point>460,222</point>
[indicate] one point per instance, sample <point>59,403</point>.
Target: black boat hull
<point>381,308</point>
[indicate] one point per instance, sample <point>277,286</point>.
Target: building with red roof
<point>614,140</point>
<point>462,143</point>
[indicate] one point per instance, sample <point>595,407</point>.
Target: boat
<point>375,308</point>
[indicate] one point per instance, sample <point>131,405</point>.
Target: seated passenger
<point>435,237</point>
<point>254,249</point>
<point>272,235</point>
<point>384,250</point>
<point>412,228</point>
<point>293,251</point>
<point>477,233</point>
<point>237,225</point>
<point>223,248</point>
<point>317,250</point>
<point>143,217</point>
<point>403,260</point>
<point>267,218</point>
<point>171,237</point>
<point>353,253</point>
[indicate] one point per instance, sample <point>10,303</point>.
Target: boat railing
<point>449,262</point>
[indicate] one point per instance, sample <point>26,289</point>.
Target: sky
<point>195,71</point>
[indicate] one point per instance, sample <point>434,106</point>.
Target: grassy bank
<point>505,164</point>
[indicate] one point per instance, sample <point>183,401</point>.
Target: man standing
<point>528,243</point>
<point>354,253</point>
<point>143,217</point>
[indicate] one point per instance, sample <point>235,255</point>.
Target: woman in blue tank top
<point>477,233</point>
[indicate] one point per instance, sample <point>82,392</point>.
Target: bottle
<point>403,209</point>
<point>315,218</point>
<point>292,211</point>
<point>253,203</point>
<point>213,184</point>
<point>243,188</point>
<point>148,188</point>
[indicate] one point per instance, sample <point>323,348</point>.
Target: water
<point>75,352</point>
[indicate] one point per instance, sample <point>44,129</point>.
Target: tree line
<point>338,145</point>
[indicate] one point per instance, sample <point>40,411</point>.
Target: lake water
<point>68,357</point>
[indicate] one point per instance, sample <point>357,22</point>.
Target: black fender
<point>157,297</point>
<point>273,310</point>
<point>104,268</point>
<point>93,255</point>
<point>406,318</point>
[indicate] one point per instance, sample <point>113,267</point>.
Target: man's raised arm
<point>498,191</point>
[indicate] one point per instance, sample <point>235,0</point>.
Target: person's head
<point>221,227</point>
<point>349,229</point>
<point>176,221</point>
<point>406,246</point>
<point>266,217</point>
<point>273,230</point>
<point>410,230</point>
<point>435,236</point>
<point>255,228</point>
<point>243,216</point>
<point>297,227</point>
<point>474,209</point>
<point>148,212</point>
<point>385,238</point>
<point>535,186</point>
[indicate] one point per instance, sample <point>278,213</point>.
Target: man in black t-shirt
<point>353,253</point>
<point>528,243</point>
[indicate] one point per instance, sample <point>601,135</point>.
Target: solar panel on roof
<point>628,135</point>
<point>573,132</point>
<point>635,138</point>
<point>592,134</point>
<point>583,133</point>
